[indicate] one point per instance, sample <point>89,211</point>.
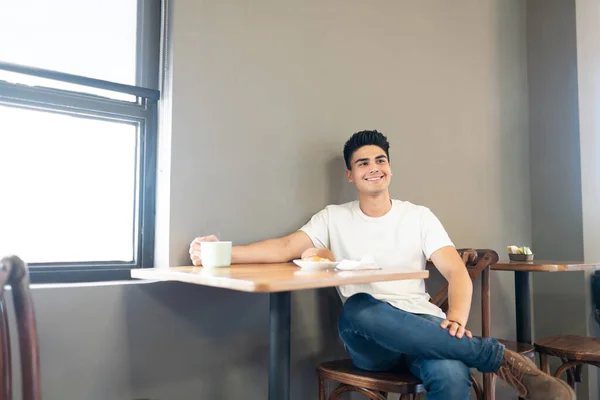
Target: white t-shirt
<point>404,239</point>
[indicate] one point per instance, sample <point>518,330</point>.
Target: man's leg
<point>367,324</point>
<point>443,379</point>
<point>400,332</point>
<point>368,355</point>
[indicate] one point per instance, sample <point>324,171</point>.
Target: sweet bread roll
<point>318,255</point>
<point>317,259</point>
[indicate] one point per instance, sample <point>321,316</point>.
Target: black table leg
<point>523,306</point>
<point>279,345</point>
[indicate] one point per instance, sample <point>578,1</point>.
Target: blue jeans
<point>380,337</point>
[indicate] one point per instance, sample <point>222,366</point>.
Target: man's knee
<point>449,377</point>
<point>358,300</point>
<point>355,310</point>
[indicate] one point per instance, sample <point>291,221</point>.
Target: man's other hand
<point>195,254</point>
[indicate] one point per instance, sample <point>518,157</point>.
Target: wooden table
<point>522,270</point>
<point>278,280</point>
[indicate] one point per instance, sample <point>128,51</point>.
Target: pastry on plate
<point>318,255</point>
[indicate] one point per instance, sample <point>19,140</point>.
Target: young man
<point>384,324</point>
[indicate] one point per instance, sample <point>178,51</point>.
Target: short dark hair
<point>365,138</point>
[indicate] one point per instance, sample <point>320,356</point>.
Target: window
<point>78,136</point>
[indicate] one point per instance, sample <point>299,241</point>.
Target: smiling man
<point>387,323</point>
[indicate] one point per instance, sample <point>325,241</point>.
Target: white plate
<point>315,264</point>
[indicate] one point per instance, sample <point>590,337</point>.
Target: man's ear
<point>349,175</point>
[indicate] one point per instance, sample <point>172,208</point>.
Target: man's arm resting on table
<point>460,289</point>
<point>272,250</point>
<point>276,250</point>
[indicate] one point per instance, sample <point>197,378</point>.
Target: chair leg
<point>569,367</point>
<point>489,392</point>
<point>335,395</point>
<point>322,388</point>
<point>476,388</point>
<point>5,358</point>
<point>577,371</point>
<point>570,375</point>
<point>544,363</point>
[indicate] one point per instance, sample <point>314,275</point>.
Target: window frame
<point>143,113</point>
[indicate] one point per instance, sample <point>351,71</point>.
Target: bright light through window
<point>68,187</point>
<point>96,39</point>
<point>78,172</point>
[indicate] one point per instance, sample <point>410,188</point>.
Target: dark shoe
<point>529,381</point>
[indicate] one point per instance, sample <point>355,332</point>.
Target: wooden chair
<point>574,351</point>
<point>13,272</point>
<point>376,385</point>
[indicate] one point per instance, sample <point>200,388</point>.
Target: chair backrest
<point>13,272</point>
<point>478,263</point>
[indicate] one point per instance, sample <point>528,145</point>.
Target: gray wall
<point>554,130</point>
<point>588,61</point>
<point>562,38</point>
<point>555,162</point>
<point>260,98</point>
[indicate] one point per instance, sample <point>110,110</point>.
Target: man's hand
<point>460,289</point>
<point>455,329</point>
<point>195,248</point>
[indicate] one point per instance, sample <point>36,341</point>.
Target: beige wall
<point>264,96</point>
<point>261,98</point>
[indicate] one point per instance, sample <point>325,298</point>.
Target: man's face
<point>370,170</point>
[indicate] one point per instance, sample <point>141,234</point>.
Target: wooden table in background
<point>522,270</point>
<point>278,280</point>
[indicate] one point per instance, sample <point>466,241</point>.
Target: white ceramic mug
<point>215,254</point>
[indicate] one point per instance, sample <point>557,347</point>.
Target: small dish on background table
<point>522,253</point>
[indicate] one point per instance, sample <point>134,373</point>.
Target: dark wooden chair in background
<point>376,385</point>
<point>574,352</point>
<point>13,272</point>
